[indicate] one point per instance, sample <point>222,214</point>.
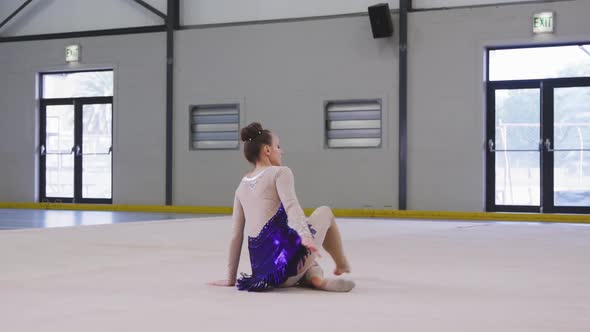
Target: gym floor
<point>410,276</point>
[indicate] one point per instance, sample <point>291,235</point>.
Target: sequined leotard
<point>267,209</point>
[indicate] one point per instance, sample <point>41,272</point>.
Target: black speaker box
<point>381,20</point>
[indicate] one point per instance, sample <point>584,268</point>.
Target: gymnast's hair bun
<point>251,131</point>
<point>254,138</point>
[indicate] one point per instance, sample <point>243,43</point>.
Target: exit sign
<point>543,22</point>
<point>73,53</point>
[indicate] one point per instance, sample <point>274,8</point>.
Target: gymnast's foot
<point>333,284</point>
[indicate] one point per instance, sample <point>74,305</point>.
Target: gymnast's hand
<point>222,283</point>
<point>308,243</point>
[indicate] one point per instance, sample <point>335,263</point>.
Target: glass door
<point>567,146</point>
<point>513,149</point>
<point>97,124</point>
<point>76,150</point>
<point>57,151</point>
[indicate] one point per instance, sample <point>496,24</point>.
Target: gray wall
<point>281,74</point>
<point>446,100</point>
<point>139,109</point>
<point>196,12</point>
<point>53,16</point>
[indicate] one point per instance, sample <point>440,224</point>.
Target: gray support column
<point>404,6</point>
<point>172,23</point>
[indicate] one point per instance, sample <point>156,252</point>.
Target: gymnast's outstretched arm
<point>235,246</point>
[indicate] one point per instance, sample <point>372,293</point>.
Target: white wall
<point>138,114</point>
<point>446,94</point>
<point>197,12</point>
<point>54,16</point>
<point>461,3</point>
<point>223,11</point>
<point>281,74</point>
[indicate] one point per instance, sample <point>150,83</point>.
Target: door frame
<point>546,88</point>
<point>78,104</point>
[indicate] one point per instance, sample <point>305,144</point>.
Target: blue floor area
<point>19,219</point>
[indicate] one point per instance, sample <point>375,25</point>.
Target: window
<point>539,62</point>
<point>353,124</point>
<point>78,84</point>
<point>214,127</point>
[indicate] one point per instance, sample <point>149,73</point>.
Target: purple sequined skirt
<point>275,255</point>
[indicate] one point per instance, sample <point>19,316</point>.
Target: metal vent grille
<point>353,124</point>
<point>215,127</point>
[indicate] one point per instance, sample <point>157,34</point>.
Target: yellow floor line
<point>345,213</point>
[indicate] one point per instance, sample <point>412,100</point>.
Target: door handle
<point>548,145</point>
<point>491,145</point>
<point>42,150</point>
<point>76,151</point>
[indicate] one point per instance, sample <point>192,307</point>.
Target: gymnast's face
<point>274,152</point>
